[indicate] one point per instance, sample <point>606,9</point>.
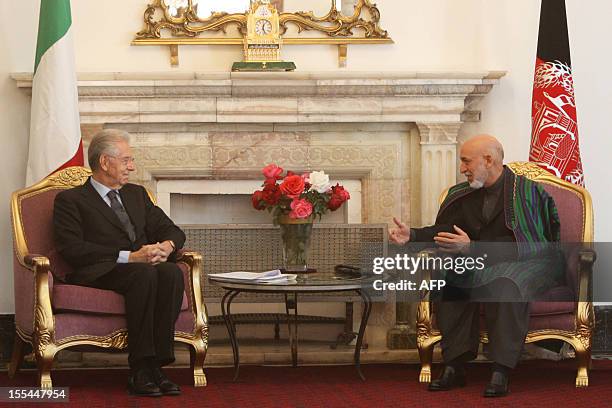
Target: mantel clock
<point>263,41</point>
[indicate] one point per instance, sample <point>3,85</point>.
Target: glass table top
<point>303,282</point>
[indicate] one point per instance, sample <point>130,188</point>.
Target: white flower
<point>319,181</point>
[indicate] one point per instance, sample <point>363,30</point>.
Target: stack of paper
<point>272,277</point>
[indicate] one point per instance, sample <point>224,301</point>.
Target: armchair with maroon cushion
<point>52,315</point>
<point>568,320</point>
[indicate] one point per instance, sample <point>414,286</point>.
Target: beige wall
<point>16,54</point>
<point>429,35</point>
<point>421,31</point>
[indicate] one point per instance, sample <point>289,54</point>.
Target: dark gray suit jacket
<point>89,235</point>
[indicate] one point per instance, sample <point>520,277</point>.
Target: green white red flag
<point>55,133</point>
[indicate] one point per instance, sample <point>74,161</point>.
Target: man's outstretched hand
<point>453,243</point>
<point>401,234</point>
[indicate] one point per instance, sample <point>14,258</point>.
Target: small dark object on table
<point>298,272</point>
<point>347,271</point>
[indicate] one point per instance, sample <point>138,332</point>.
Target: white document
<point>273,276</point>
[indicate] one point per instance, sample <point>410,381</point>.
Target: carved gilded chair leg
<point>583,358</point>
<point>198,355</point>
<point>426,357</point>
<point>17,357</point>
<point>44,361</point>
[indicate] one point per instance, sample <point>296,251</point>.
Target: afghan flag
<point>554,132</point>
<point>55,132</point>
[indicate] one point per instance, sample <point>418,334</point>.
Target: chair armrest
<point>194,261</point>
<point>585,315</point>
<point>179,254</point>
<point>34,261</point>
<point>38,301</point>
<point>424,310</point>
<point>429,252</point>
<point>588,256</point>
<point>191,258</point>
<point>426,273</point>
<point>586,259</point>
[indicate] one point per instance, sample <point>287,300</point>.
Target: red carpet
<point>534,384</point>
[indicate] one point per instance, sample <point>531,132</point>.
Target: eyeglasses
<point>125,160</point>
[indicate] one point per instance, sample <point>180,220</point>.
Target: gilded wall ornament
<point>177,22</point>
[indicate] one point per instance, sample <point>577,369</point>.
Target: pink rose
<point>300,209</point>
<point>292,186</point>
<point>272,171</point>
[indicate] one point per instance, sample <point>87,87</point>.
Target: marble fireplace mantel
<point>417,97</point>
<point>435,103</point>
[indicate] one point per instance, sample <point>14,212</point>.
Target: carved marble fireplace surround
<point>395,133</point>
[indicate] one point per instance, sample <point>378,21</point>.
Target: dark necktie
<point>121,214</point>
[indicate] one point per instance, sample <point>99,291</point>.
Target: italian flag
<point>55,133</point>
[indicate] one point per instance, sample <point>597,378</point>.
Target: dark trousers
<point>507,325</point>
<point>153,296</point>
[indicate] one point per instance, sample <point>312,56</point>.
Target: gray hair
<point>104,142</point>
<point>496,151</point>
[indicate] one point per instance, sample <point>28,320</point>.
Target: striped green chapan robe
<point>530,213</point>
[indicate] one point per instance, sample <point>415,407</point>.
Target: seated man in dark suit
<point>505,212</point>
<point>115,238</point>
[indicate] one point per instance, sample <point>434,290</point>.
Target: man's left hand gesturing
<point>453,243</point>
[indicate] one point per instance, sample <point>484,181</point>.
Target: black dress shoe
<point>451,377</point>
<point>142,384</point>
<point>166,386</point>
<point>498,386</point>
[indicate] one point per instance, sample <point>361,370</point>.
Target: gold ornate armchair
<point>52,316</point>
<point>570,321</point>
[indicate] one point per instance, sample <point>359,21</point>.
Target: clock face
<point>263,27</point>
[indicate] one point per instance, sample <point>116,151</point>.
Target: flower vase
<point>295,236</point>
